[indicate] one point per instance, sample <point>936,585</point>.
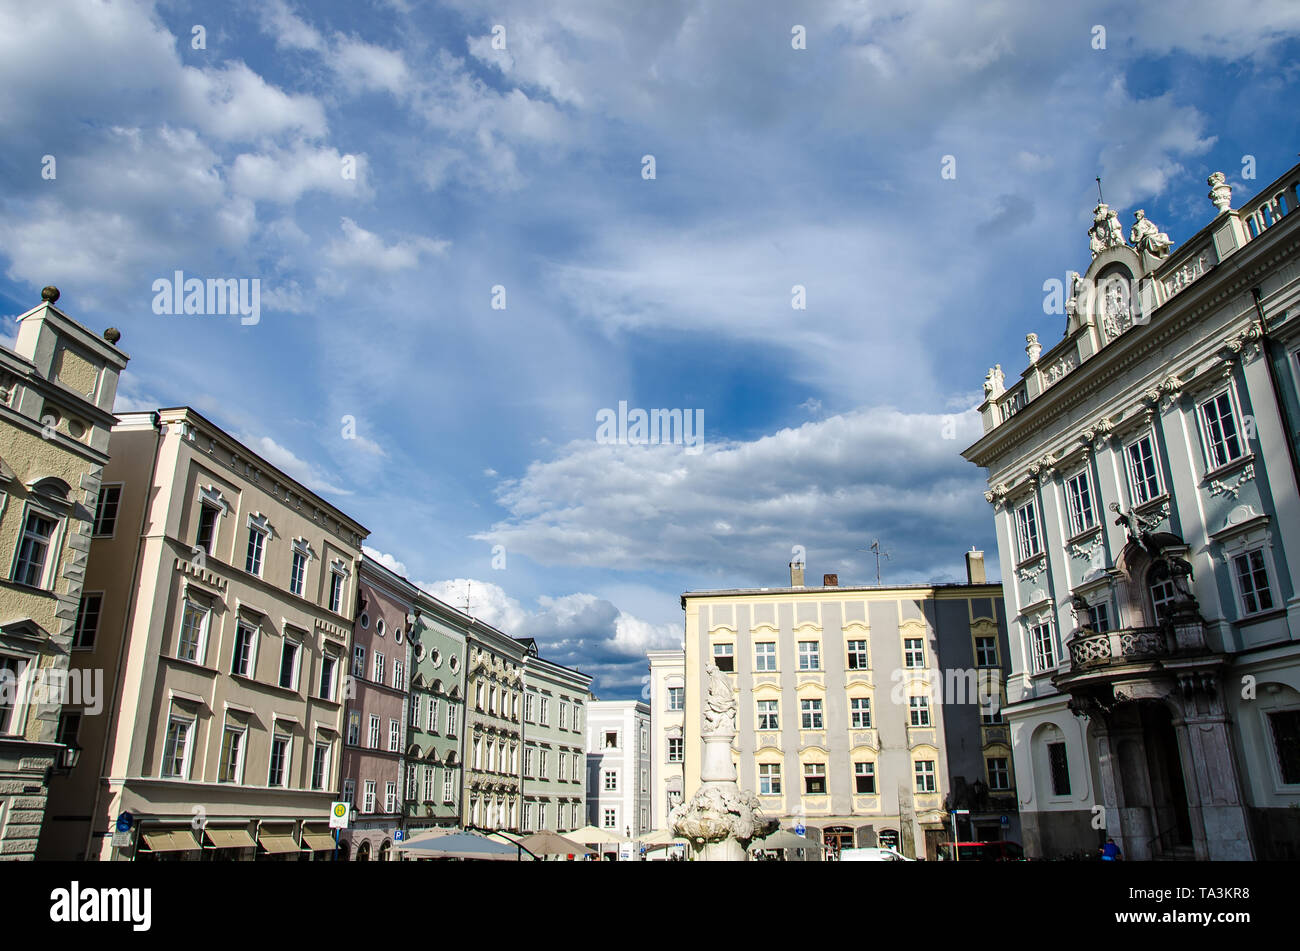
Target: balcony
<point>1089,649</point>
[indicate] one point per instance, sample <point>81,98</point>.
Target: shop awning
<point>278,843</point>
<point>230,838</point>
<point>318,841</point>
<point>175,840</point>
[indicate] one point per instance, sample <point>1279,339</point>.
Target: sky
<point>811,227</point>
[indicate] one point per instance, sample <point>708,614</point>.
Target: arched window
<point>1162,593</point>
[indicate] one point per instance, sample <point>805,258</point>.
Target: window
<point>864,778</point>
<point>724,656</point>
<point>244,654</point>
<point>368,802</point>
<point>611,739</point>
<point>448,787</point>
<point>416,701</point>
<point>354,728</point>
<point>412,781</point>
<point>328,664</point>
<point>564,767</point>
<point>543,764</point>
<point>1060,769</point>
<point>278,774</point>
<point>1099,617</point>
<point>207,531</point>
<point>176,748</point>
<point>11,692</point>
<point>810,712</point>
<point>451,720</point>
<point>986,651</point>
<point>289,664</point>
<point>431,721</point>
<point>860,713</point>
<point>610,820</point>
<point>194,629</point>
<point>1252,578</point>
<point>106,510</point>
<point>545,718</point>
<point>33,548</point>
<point>232,755</point>
<point>810,655</point>
<point>336,591</point>
<point>1286,738</point>
<point>769,779</point>
<point>1027,530</point>
<point>399,675</point>
<point>924,772</point>
<point>378,676</point>
<point>1222,443</point>
<point>1163,594</point>
<point>529,712</point>
<point>320,766</point>
<point>564,715</point>
<point>528,761</point>
<point>919,711</point>
<point>390,797</point>
<point>764,656</point>
<point>430,783</point>
<point>394,736</point>
<point>87,621</point>
<point>350,791</point>
<point>767,715</point>
<point>1044,647</point>
<point>256,548</point>
<point>814,779</point>
<point>1143,478</point>
<point>858,655</point>
<point>914,652</point>
<point>69,728</point>
<point>611,780</point>
<point>674,749</point>
<point>1078,496</point>
<point>298,573</point>
<point>999,773</point>
<point>359,662</point>
<point>374,732</point>
<point>676,698</point>
<point>492,699</point>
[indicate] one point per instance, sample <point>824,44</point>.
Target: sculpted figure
<point>1147,237</point>
<point>720,704</point>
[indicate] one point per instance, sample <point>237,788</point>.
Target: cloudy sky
<point>388,171</point>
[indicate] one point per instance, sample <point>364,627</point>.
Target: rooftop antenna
<point>1100,200</point>
<point>468,585</point>
<point>875,547</point>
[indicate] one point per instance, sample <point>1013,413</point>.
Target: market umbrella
<point>462,845</point>
<point>590,835</point>
<point>661,837</point>
<point>784,839</point>
<point>551,843</point>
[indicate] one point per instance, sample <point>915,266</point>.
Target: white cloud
<point>305,472</point>
<point>360,248</point>
<point>284,175</point>
<point>385,559</point>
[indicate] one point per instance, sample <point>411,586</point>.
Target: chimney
<point>975,567</point>
<point>796,574</point>
<point>830,581</point>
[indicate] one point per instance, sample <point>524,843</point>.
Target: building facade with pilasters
<point>1145,485</point>
<point>554,760</point>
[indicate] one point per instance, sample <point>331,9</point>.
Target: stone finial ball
<point>50,294</point>
<point>112,335</point>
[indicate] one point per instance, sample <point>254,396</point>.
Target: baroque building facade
<point>852,701</point>
<point>494,710</point>
<point>57,387</point>
<point>553,765</point>
<point>1145,483</point>
<point>224,634</point>
<point>618,766</point>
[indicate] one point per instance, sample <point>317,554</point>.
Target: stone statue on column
<point>1147,237</point>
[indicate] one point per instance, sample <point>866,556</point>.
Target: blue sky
<point>521,167</point>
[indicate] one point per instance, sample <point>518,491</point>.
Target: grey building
<point>618,766</point>
<point>554,767</point>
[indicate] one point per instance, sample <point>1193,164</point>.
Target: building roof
<point>991,589</point>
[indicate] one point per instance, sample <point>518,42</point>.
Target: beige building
<point>226,592</point>
<point>57,388</point>
<point>667,741</point>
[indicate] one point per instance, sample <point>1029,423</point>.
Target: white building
<point>1155,671</point>
<point>667,740</point>
<point>618,766</point>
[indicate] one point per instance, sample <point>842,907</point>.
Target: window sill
<point>1087,533</point>
<point>1031,560</point>
<point>1152,504</point>
<point>1228,468</point>
<point>192,664</point>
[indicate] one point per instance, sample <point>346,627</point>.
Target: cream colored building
<point>667,741</point>
<point>57,388</point>
<point>228,592</point>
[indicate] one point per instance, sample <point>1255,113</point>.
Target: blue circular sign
<point>800,829</point>
<point>125,821</point>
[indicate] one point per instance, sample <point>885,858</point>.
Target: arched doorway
<point>385,851</point>
<point>835,838</point>
<point>1171,818</point>
<point>363,852</point>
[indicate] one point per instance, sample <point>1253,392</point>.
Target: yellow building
<point>57,388</point>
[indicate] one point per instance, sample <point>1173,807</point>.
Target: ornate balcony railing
<point>1092,649</point>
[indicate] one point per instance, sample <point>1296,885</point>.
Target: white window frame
<point>1265,565</point>
<point>1208,444</point>
<point>768,719</point>
<point>869,772</point>
<point>20,689</point>
<point>374,732</point>
<point>679,744</point>
<point>925,781</point>
<point>201,645</point>
<point>237,776</point>
<point>329,661</point>
<point>860,719</point>
<point>298,579</point>
<point>354,719</point>
<point>53,545</point>
<point>394,736</point>
<point>1044,660</point>
<point>911,653</point>
<point>811,714</point>
<point>338,587</point>
<point>813,655</point>
<point>918,712</point>
<point>676,699</point>
<point>324,782</point>
<point>769,779</point>
<point>295,673</point>
<point>369,794</point>
<point>1029,531</point>
<point>378,665</point>
<point>1078,487</point>
<point>190,723</point>
<point>255,630</point>
<point>288,758</point>
<point>1139,493</point>
<point>765,660</point>
<point>259,529</point>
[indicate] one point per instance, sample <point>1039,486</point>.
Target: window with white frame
<point>528,761</point>
<point>768,718</point>
<point>810,655</point>
<point>378,673</point>
<point>769,779</point>
<point>676,698</point>
<point>350,791</point>
<point>298,572</point>
<point>986,652</point>
<point>359,661</point>
<point>1163,595</point>
<point>564,767</point>
<point>390,797</point>
<point>257,533</point>
<point>1078,497</point>
<point>399,675</point>
<point>31,564</point>
<point>278,774</point>
<point>610,819</point>
<point>416,702</point>
<point>529,704</point>
<point>376,725</point>
<point>320,765</point>
<point>394,736</point>
<point>564,715</point>
<point>1252,581</point>
<point>864,778</point>
<point>1040,635</point>
<point>13,692</point>
<point>918,709</point>
<point>924,772</point>
<point>87,620</point>
<point>448,786</point>
<point>451,720</point>
<point>810,714</point>
<point>765,656</point>
<point>724,657</point>
<point>543,764</point>
<point>857,653</point>
<point>176,747</point>
<point>1143,472</point>
<point>243,657</point>
<point>611,779</point>
<point>1027,536</point>
<point>412,781</point>
<point>192,643</point>
<point>354,727</point>
<point>544,714</point>
<point>814,779</point>
<point>1223,442</point>
<point>860,713</point>
<point>431,722</point>
<point>110,496</point>
<point>1099,617</point>
<point>430,784</point>
<point>336,589</point>
<point>290,652</point>
<point>999,773</point>
<point>329,663</point>
<point>914,652</point>
<point>674,749</point>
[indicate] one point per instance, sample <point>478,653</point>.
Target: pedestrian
<point>1110,851</point>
